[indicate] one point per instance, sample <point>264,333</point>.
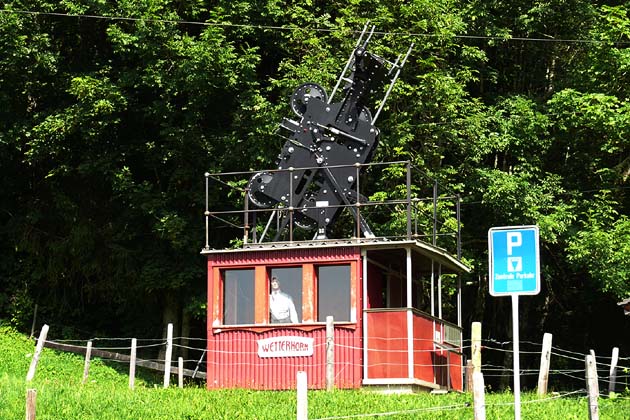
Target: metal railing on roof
<point>404,216</point>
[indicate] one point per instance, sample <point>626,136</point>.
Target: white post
<point>592,387</point>
<point>613,370</point>
<point>169,355</point>
<point>365,333</point>
<point>545,356</point>
<point>38,350</point>
<point>302,396</point>
<point>409,314</point>
<point>330,353</point>
<point>517,362</point>
<point>31,405</point>
<point>132,364</point>
<point>439,291</point>
<point>180,372</point>
<point>479,397</point>
<point>432,288</point>
<point>475,348</point>
<point>86,365</point>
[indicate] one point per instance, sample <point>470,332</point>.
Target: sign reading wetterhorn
<point>513,253</point>
<point>285,346</point>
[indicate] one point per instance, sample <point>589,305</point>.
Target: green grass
<point>60,395</point>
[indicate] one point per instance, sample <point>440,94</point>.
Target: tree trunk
<point>170,315</point>
<point>185,334</point>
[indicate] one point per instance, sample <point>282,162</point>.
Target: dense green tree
<point>111,132</point>
<point>108,124</point>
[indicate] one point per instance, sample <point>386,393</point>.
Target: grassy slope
<point>60,395</point>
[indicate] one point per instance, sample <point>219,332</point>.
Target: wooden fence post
<point>592,387</point>
<point>302,396</point>
<point>475,337</point>
<point>469,375</point>
<point>479,397</point>
<point>38,350</point>
<point>86,365</point>
<point>31,404</point>
<point>330,353</point>
<point>613,370</point>
<point>132,364</point>
<point>169,355</point>
<point>545,358</point>
<point>180,372</point>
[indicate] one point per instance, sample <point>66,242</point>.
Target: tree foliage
<point>108,124</point>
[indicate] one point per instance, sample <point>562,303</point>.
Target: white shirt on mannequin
<point>281,306</point>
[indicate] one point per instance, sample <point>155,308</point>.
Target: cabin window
<point>333,292</point>
<point>290,292</point>
<point>238,297</point>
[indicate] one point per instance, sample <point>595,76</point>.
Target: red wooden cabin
<point>384,295</point>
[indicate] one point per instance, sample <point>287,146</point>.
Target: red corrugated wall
<point>423,359</point>
<point>455,369</point>
<point>387,344</point>
<point>441,364</point>
<point>233,360</point>
<point>387,349</point>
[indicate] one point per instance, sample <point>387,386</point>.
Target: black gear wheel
<point>303,94</point>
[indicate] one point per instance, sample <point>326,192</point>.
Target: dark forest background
<point>111,113</point>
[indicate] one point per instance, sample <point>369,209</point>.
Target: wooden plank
<point>169,355</point>
<point>86,365</point>
<point>31,406</point>
<point>302,396</point>
<point>330,353</point>
<point>469,375</point>
<point>132,364</point>
<point>592,387</point>
<point>103,354</point>
<point>180,372</point>
<point>38,350</point>
<point>475,338</point>
<point>479,396</point>
<point>545,356</point>
<point>613,370</point>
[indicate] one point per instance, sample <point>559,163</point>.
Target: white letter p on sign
<point>514,239</point>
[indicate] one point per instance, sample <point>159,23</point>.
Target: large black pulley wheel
<point>256,189</point>
<point>305,93</point>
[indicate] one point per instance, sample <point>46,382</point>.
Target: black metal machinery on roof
<point>315,176</point>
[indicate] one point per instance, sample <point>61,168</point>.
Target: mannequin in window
<point>281,306</point>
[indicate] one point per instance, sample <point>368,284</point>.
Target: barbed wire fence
<point>567,376</point>
<point>568,371</point>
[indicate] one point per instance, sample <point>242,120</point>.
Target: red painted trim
<point>261,291</point>
<point>263,329</point>
<point>308,293</point>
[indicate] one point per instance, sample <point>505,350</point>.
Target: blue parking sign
<point>513,254</point>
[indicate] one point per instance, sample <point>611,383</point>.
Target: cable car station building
<point>371,289</point>
<point>307,253</point>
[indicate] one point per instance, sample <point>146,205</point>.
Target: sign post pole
<point>517,361</point>
<point>513,254</point>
